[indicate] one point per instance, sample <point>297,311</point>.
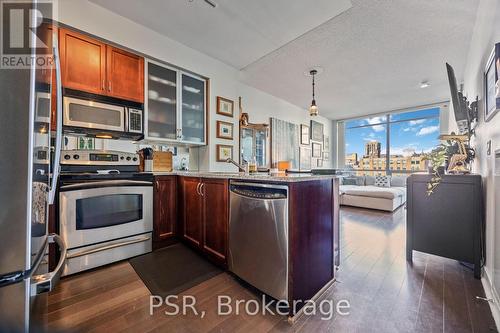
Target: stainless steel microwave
<point>102,119</point>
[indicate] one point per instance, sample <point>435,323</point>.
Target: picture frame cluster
<point>224,129</point>
<point>315,146</point>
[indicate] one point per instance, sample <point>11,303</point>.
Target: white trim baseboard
<point>490,292</point>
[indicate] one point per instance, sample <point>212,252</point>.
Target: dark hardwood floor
<point>386,294</point>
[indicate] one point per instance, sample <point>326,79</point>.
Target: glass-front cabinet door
<point>161,107</point>
<point>175,105</point>
<point>193,109</point>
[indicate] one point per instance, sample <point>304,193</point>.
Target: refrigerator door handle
<point>57,153</point>
<point>46,282</point>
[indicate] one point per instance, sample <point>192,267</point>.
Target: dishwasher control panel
<point>259,192</point>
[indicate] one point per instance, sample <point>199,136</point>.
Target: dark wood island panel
<point>314,229</point>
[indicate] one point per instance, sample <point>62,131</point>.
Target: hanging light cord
<point>313,87</point>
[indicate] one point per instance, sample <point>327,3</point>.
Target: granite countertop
<point>293,177</point>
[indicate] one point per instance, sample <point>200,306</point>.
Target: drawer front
<point>89,257</point>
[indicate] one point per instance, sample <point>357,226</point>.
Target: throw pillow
<point>349,181</point>
<point>360,180</point>
<point>398,181</point>
<point>382,181</point>
<point>369,180</point>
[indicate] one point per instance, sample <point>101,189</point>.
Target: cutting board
<point>162,161</point>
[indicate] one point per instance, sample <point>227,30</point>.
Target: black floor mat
<point>173,269</point>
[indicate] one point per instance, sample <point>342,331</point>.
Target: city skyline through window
<point>408,136</point>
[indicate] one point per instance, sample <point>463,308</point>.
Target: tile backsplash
<point>183,157</point>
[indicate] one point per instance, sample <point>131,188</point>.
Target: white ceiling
<point>237,32</point>
<point>374,54</point>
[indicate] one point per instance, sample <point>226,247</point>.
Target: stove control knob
<point>121,157</point>
<point>67,157</point>
<point>76,156</point>
<point>128,158</point>
<point>134,159</point>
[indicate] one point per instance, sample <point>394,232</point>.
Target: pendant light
<point>313,109</point>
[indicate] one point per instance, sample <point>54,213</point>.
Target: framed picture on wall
<point>316,131</point>
<point>305,158</point>
<point>224,130</point>
<point>225,106</point>
<point>326,143</point>
<point>224,152</point>
<point>492,84</point>
<point>304,135</point>
<point>316,150</point>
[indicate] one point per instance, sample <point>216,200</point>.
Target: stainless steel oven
<point>102,119</point>
<point>103,221</point>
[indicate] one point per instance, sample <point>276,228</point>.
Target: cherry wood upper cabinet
<point>95,67</point>
<point>83,62</point>
<point>215,217</point>
<point>125,75</point>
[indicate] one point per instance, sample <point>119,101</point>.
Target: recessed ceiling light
<point>211,3</point>
<point>424,84</point>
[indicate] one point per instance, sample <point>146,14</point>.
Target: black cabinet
<point>448,223</point>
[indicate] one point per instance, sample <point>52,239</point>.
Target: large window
<point>391,144</point>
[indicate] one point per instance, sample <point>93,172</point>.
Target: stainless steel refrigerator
<point>28,173</point>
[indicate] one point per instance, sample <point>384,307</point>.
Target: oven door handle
<point>107,247</point>
<point>106,183</point>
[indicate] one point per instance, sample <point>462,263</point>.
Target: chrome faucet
<point>242,167</point>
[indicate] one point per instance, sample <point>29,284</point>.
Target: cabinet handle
<point>198,188</point>
<point>157,183</point>
<point>109,85</point>
<point>202,189</point>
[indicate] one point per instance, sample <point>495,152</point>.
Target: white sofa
<point>374,197</point>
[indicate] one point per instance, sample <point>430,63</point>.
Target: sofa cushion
<point>373,191</point>
<point>382,181</point>
<point>398,181</point>
<point>369,180</point>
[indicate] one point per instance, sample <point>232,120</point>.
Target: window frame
<point>387,122</point>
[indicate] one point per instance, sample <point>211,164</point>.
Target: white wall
<point>224,80</point>
<point>486,34</point>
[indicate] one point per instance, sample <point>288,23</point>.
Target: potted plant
<point>439,159</point>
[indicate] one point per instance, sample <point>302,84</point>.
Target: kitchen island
<point>195,208</point>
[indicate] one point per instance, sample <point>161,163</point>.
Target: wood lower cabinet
<point>165,210</point>
<point>192,215</point>
<point>83,62</point>
<point>215,217</point>
<point>206,215</point>
<point>125,74</point>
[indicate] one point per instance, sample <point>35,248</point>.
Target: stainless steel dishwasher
<point>258,236</point>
